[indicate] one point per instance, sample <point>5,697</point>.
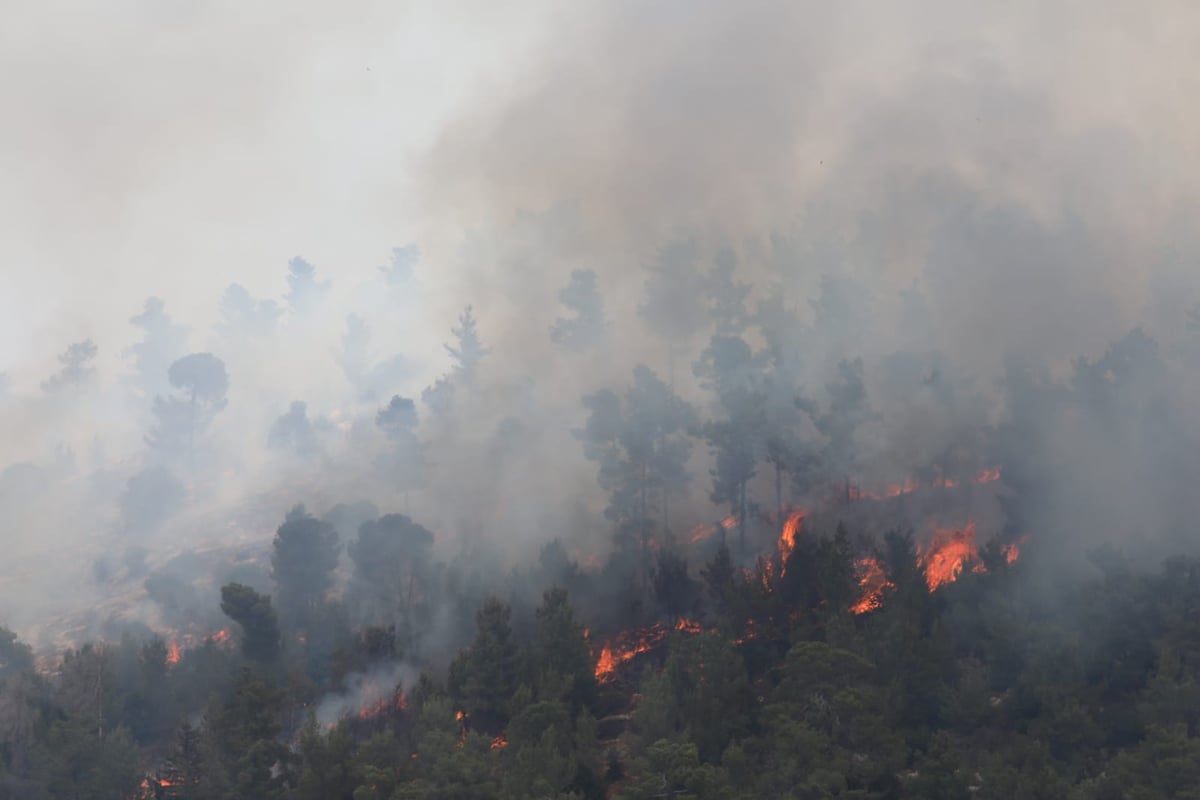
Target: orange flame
<point>383,705</point>
<point>1012,550</point>
<point>628,645</point>
<point>750,633</point>
<point>989,475</point>
<point>947,554</point>
<point>174,653</point>
<point>499,743</point>
<point>873,582</point>
<point>701,532</point>
<point>729,523</point>
<point>791,529</point>
<point>221,636</point>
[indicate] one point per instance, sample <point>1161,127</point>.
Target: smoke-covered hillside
<point>794,336</point>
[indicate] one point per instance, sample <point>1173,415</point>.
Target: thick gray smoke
<point>966,196</point>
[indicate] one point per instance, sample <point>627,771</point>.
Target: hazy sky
<point>172,147</point>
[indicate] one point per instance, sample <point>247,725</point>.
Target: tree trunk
<point>742,519</point>
<point>778,493</point>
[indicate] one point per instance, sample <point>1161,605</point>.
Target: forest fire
<point>174,653</point>
<point>947,554</point>
<point>221,636</point>
<point>688,626</point>
<point>499,743</point>
<point>873,582</point>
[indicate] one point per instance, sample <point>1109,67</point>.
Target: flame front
<point>947,554</point>
<point>174,653</point>
<point>628,645</point>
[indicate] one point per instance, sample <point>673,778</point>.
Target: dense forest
<point>823,636</point>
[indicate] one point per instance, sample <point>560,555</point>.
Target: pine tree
<point>468,350</point>
<point>484,676</point>
<point>304,557</point>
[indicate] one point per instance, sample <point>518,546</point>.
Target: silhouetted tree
<point>727,297</point>
<point>162,342</point>
<point>674,301</point>
<point>729,368</point>
<point>392,557</point>
<point>77,368</point>
<point>253,612</point>
<point>200,384</point>
<point>305,292</point>
<point>399,271</point>
<point>15,655</point>
<point>242,315</point>
<point>641,448</point>
<point>294,432</point>
<point>586,328</point>
<point>848,411</point>
<point>398,421</point>
<point>468,350</point>
<point>305,555</point>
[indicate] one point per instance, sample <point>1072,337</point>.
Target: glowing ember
<point>174,653</point>
<point>221,636</point>
<point>701,532</point>
<point>791,529</point>
<point>688,626</point>
<point>729,523</point>
<point>907,487</point>
<point>499,743</point>
<point>988,475</point>
<point>751,633</point>
<point>948,553</point>
<point>872,583</point>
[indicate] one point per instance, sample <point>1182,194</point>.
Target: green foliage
<point>260,626</point>
<point>304,557</point>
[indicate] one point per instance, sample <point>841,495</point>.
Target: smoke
<point>366,693</point>
<point>967,197</point>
